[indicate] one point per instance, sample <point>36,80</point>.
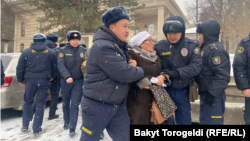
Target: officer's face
<point>148,44</point>
<point>121,29</point>
<point>201,39</point>
<point>74,42</point>
<point>174,37</point>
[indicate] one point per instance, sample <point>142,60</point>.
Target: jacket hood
<point>211,31</point>
<point>180,19</point>
<point>39,46</point>
<point>104,33</point>
<point>51,44</point>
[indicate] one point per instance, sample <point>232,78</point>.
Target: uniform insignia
<point>184,52</point>
<point>68,54</point>
<point>212,47</point>
<point>202,53</point>
<point>240,50</point>
<point>216,60</point>
<point>117,54</point>
<point>75,35</point>
<point>81,55</point>
<point>166,53</point>
<point>197,50</point>
<point>61,55</point>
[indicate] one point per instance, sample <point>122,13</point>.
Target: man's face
<point>74,42</point>
<point>201,39</point>
<point>174,37</point>
<point>121,29</point>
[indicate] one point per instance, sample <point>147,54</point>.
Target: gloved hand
<point>164,65</point>
<point>172,74</point>
<point>209,99</point>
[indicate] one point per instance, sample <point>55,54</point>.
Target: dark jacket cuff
<point>143,83</point>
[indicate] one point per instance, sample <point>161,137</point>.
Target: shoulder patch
<point>197,50</point>
<point>216,60</point>
<point>60,55</point>
<point>240,50</point>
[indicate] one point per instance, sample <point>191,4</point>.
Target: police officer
<point>107,76</point>
<point>35,69</point>
<point>2,74</point>
<point>54,91</point>
<point>215,74</point>
<point>69,63</point>
<point>241,73</point>
<point>180,61</point>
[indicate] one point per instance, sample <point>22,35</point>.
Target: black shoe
<point>66,126</point>
<point>39,130</point>
<point>55,116</point>
<point>72,133</point>
<point>24,129</point>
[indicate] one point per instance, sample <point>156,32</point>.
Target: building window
<point>23,29</point>
<point>151,29</point>
<point>42,28</point>
<point>21,47</point>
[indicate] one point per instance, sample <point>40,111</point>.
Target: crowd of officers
<point>103,91</point>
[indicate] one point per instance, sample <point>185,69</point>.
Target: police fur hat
<point>39,37</point>
<point>172,26</point>
<point>73,34</point>
<point>62,44</point>
<point>199,28</point>
<point>113,15</point>
<point>52,37</point>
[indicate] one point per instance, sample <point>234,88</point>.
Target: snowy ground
<point>11,123</point>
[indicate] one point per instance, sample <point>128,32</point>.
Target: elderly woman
<point>140,97</point>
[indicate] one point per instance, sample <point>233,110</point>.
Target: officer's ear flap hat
<point>113,15</point>
<point>52,37</point>
<point>211,31</point>
<point>74,34</point>
<point>39,37</point>
<point>199,28</point>
<point>174,24</point>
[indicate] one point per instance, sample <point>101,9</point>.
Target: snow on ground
<point>11,123</point>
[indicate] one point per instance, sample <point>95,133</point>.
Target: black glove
<point>209,99</point>
<point>164,65</point>
<point>172,74</point>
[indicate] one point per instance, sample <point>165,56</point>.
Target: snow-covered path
<point>11,124</point>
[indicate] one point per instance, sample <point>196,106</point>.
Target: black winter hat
<point>52,37</point>
<point>172,26</point>
<point>199,28</point>
<point>113,15</point>
<point>73,34</point>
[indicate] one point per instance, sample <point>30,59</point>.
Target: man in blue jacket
<point>35,69</point>
<point>242,74</point>
<point>69,63</point>
<point>107,76</point>
<point>181,60</point>
<point>215,74</point>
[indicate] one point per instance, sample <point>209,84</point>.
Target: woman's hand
<point>132,62</point>
<point>147,87</point>
<point>160,80</point>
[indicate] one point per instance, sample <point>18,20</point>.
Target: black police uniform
<point>179,72</point>
<point>69,64</point>
<point>241,67</point>
<point>215,74</point>
<point>36,66</point>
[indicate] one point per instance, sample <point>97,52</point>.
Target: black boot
<point>72,132</point>
<point>24,129</point>
<point>53,117</point>
<point>66,126</point>
<point>39,130</point>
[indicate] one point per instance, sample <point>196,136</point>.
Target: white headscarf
<point>139,38</point>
